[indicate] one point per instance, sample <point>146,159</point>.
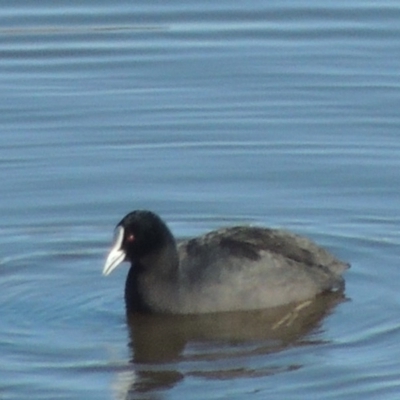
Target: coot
<point>236,268</point>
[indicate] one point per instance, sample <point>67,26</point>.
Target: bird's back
<point>250,267</point>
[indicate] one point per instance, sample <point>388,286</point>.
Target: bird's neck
<point>163,264</point>
<point>148,275</point>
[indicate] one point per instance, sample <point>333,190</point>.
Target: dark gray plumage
<point>238,268</point>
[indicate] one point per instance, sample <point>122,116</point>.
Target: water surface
<point>210,114</point>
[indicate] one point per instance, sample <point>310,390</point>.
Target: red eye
<point>130,238</point>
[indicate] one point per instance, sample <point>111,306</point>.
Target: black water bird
<point>230,269</point>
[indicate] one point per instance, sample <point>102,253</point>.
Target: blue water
<point>211,114</point>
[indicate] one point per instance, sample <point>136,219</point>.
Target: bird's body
<point>238,268</point>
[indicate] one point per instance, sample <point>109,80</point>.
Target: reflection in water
<point>166,348</point>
